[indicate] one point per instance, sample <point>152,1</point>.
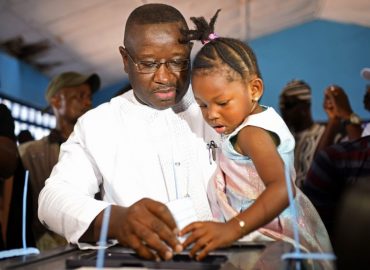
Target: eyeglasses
<point>174,65</point>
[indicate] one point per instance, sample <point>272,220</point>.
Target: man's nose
<point>162,74</point>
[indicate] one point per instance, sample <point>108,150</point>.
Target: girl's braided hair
<point>220,51</point>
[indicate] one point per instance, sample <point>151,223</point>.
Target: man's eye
<point>178,63</point>
<point>148,64</point>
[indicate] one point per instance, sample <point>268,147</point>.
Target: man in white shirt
<point>145,148</point>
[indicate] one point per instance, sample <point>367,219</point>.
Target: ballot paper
<point>183,212</point>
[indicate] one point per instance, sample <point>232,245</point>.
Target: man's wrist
<point>353,119</point>
<point>117,217</point>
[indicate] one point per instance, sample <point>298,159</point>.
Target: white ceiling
<point>85,34</point>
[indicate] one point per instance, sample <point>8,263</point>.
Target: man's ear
<point>256,86</point>
<point>55,101</point>
<point>124,56</point>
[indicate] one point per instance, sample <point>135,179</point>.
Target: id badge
<point>183,211</point>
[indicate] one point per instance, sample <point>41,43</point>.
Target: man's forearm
<point>92,234</point>
<point>329,134</point>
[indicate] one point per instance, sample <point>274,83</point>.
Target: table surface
<point>257,255</point>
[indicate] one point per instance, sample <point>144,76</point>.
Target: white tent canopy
<point>84,35</point>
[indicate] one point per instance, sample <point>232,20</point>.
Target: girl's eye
<point>202,105</point>
<point>223,103</point>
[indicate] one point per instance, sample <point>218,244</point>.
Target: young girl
<point>248,194</point>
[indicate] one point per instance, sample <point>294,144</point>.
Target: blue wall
<point>21,81</point>
<point>319,52</point>
<point>108,92</point>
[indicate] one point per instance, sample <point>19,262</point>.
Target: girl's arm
<point>259,145</point>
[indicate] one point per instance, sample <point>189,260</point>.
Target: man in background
<point>8,144</point>
<point>365,73</point>
<point>339,167</point>
<point>295,107</point>
<point>8,164</point>
<point>69,95</point>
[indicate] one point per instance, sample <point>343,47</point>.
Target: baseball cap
<point>70,79</point>
<point>295,91</point>
<point>365,73</point>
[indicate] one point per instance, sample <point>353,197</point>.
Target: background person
<point>24,136</point>
<point>352,229</point>
<point>334,170</point>
<point>8,145</point>
<point>340,116</point>
<point>69,95</point>
<point>295,108</point>
<point>366,126</point>
<point>8,163</point>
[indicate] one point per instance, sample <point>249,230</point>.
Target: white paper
<point>183,212</point>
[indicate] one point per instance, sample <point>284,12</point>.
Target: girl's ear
<point>256,87</point>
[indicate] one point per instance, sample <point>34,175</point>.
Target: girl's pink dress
<point>236,185</point>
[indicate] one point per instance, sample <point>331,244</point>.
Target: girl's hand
<point>207,236</point>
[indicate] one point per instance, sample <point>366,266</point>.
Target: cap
<point>70,79</point>
<point>365,73</point>
<point>295,91</point>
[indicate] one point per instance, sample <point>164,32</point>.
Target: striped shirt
<point>333,170</point>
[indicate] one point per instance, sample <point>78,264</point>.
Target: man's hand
<point>207,236</point>
<point>146,226</point>
<point>336,103</point>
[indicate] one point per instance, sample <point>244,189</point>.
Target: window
<point>29,117</point>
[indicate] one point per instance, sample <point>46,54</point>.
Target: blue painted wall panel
<point>21,81</point>
<point>319,52</point>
